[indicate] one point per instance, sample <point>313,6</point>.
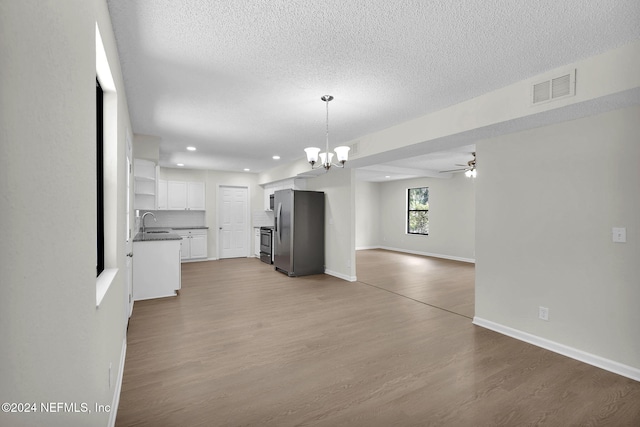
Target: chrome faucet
<point>142,219</point>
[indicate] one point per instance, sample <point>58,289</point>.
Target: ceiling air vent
<point>554,88</point>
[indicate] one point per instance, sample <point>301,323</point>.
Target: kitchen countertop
<point>165,233</point>
<point>150,237</point>
<point>190,228</point>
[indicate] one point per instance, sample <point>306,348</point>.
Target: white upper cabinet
<point>185,195</point>
<point>176,195</point>
<point>195,196</point>
<point>162,195</point>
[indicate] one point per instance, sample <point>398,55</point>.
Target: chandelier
<point>342,153</point>
<point>471,169</point>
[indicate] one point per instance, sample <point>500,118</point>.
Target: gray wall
<point>547,199</point>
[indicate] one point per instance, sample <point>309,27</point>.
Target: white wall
<point>367,214</point>
<point>285,171</point>
<point>451,217</point>
<point>547,199</point>
<point>338,186</point>
<point>146,147</point>
<point>56,345</point>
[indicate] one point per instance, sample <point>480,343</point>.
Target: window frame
<point>409,211</point>
<point>99,178</point>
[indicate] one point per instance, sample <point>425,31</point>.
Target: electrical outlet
<point>619,234</point>
<point>543,313</point>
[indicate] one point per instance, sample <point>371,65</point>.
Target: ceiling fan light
<point>474,173</point>
<point>342,153</point>
<point>468,173</point>
<point>312,154</point>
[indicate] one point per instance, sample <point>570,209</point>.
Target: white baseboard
<point>451,257</point>
<point>582,356</point>
<point>115,401</point>
<point>364,248</point>
<point>340,275</point>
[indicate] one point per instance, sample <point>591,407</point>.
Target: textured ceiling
<point>242,80</point>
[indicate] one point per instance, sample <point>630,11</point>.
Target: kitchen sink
<point>156,231</point>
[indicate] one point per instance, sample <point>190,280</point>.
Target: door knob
<point>130,254</point>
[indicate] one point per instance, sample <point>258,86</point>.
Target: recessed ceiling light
<point>388,177</point>
<point>276,157</point>
<point>191,148</point>
<point>247,169</point>
<point>180,164</point>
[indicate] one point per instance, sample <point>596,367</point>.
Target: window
<point>99,179</point>
<point>418,210</point>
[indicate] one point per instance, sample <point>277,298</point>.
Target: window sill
<point>103,283</point>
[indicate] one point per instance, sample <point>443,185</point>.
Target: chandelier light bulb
<point>342,153</point>
<point>312,154</point>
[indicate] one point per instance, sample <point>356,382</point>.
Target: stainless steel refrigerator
<point>299,232</point>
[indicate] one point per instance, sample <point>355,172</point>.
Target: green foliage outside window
<point>418,210</point>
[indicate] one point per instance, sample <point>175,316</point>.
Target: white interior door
<point>233,221</point>
<point>129,240</point>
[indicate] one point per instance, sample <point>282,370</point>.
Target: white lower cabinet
<point>198,246</point>
<point>156,269</point>
<point>194,244</point>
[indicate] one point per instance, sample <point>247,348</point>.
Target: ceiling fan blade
<point>454,170</point>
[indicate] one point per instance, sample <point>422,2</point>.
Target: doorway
<point>233,221</point>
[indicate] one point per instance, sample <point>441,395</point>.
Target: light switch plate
<point>619,234</point>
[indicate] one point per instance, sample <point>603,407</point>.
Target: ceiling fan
<point>469,169</point>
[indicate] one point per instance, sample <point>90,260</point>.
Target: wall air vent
<point>354,148</point>
<point>557,87</point>
<point>541,92</point>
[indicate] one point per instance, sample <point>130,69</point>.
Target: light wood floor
<point>244,345</point>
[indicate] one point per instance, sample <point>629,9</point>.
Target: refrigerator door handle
<point>278,225</point>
